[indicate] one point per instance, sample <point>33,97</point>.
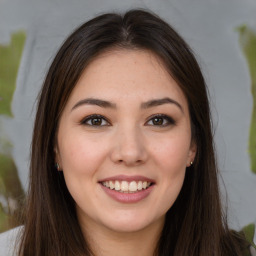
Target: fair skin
<point>123,143</point>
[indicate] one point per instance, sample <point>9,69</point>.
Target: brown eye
<point>95,120</point>
<point>160,120</point>
<point>157,121</point>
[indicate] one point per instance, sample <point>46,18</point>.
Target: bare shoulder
<point>8,242</point>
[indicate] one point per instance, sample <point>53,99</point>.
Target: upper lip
<point>128,178</point>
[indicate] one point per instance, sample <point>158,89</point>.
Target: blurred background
<point>222,34</point>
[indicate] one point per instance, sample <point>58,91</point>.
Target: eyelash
<point>91,117</point>
<point>166,120</point>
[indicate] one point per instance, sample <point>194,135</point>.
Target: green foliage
<point>3,219</point>
<point>9,62</point>
<point>249,232</point>
<point>8,175</point>
<point>248,44</point>
<point>10,188</point>
<point>11,192</point>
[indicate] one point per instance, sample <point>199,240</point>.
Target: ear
<point>57,159</point>
<point>191,153</point>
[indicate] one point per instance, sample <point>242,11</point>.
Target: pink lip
<point>128,178</point>
<point>127,197</point>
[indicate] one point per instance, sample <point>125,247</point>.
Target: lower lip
<point>128,197</point>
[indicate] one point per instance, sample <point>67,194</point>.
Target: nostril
<point>128,152</point>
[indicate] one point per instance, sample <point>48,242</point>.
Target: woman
<point>122,153</point>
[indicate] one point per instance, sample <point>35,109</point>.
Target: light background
<point>209,26</point>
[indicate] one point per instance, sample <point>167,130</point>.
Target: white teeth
<point>117,185</point>
<point>133,186</point>
<point>125,186</point>
<point>111,185</point>
<point>140,185</point>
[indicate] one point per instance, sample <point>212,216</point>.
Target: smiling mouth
<point>127,187</point>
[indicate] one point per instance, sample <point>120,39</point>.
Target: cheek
<point>80,155</point>
<point>171,159</point>
<point>171,162</point>
<point>172,154</point>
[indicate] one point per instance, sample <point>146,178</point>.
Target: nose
<point>129,147</point>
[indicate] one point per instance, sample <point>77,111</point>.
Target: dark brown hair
<point>194,225</point>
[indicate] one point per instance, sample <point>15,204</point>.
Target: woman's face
<point>124,141</point>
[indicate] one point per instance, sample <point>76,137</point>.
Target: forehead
<point>127,74</point>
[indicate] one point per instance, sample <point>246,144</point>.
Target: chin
<point>128,224</point>
<point>126,227</point>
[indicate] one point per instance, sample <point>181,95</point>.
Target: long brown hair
<point>194,225</point>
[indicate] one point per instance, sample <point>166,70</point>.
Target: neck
<point>104,241</point>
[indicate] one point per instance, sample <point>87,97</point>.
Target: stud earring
<point>191,163</point>
<point>57,166</point>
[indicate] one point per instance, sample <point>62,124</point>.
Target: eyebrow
<point>97,102</point>
<point>159,102</point>
<point>144,105</point>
